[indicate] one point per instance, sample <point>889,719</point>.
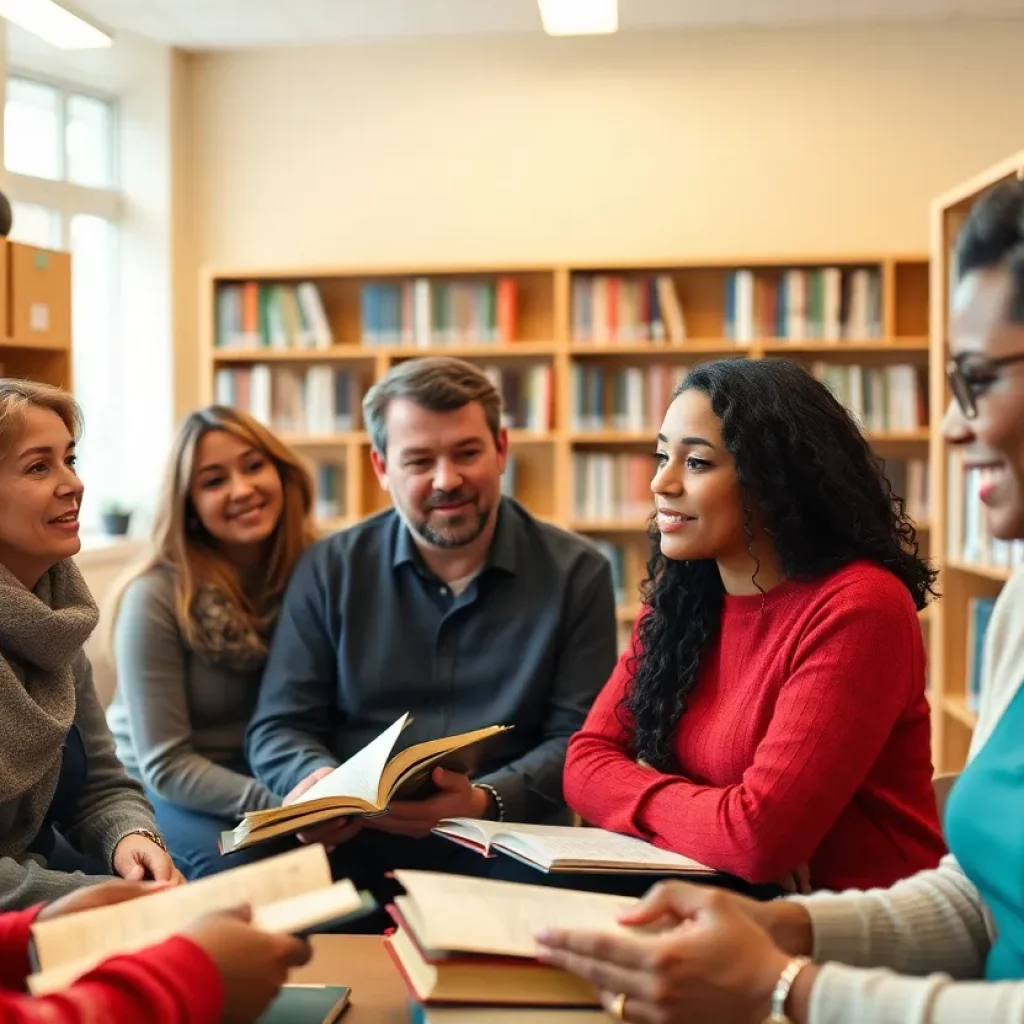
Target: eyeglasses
<point>970,375</point>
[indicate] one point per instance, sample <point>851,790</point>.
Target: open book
<point>563,848</point>
<point>365,784</point>
<point>473,940</point>
<point>290,893</point>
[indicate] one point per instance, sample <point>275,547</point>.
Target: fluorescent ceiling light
<point>55,23</point>
<point>579,17</point>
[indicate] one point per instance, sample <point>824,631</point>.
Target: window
<point>60,149</point>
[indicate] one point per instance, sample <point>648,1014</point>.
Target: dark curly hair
<point>804,465</point>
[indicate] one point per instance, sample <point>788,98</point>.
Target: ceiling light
<point>579,17</point>
<point>55,23</point>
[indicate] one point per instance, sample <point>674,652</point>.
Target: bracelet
<point>782,987</point>
<point>498,802</point>
<point>146,834</point>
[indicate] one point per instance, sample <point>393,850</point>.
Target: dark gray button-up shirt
<point>367,633</point>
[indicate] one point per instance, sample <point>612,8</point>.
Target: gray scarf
<point>224,636</point>
<point>42,632</point>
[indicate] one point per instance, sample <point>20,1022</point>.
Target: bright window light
<point>54,23</point>
<point>579,17</point>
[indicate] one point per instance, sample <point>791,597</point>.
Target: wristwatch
<point>781,991</point>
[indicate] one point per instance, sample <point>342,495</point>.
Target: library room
<point>512,511</point>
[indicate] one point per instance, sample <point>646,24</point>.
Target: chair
<point>941,785</point>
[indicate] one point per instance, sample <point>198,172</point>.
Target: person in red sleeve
<point>769,716</point>
<point>220,969</point>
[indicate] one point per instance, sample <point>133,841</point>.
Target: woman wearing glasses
<point>947,945</point>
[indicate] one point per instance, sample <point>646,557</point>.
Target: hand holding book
<point>370,783</point>
<point>456,797</point>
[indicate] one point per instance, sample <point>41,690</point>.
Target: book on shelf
<point>880,398</point>
<point>319,399</point>
<point>804,304</point>
<point>307,1004</point>
<point>459,939</point>
<point>979,614</point>
<point>632,398</point>
<point>424,312</point>
<point>292,893</point>
<point>565,848</point>
<point>613,486</point>
<point>366,783</point>
<point>527,395</point>
<point>253,314</point>
<point>617,308</point>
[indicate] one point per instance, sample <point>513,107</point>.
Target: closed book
<point>307,1004</point>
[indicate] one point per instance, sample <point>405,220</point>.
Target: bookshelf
<point>974,567</point>
<point>35,314</point>
<point>585,355</point>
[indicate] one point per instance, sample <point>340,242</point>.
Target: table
<point>379,995</point>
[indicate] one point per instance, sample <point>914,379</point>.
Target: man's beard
<point>465,528</point>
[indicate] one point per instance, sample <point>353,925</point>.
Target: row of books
<point>826,304</point>
<point>616,486</point>
<point>252,314</point>
<point>527,395</point>
<point>612,486</point>
<point>618,556</point>
<point>909,479</point>
<point>970,540</point>
<point>610,308</point>
<point>880,398</point>
<point>331,483</point>
<point>632,398</point>
<point>320,399</point>
<point>422,312</point>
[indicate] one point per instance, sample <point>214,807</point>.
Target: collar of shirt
<point>501,555</point>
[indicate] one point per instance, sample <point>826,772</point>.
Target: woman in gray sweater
<point>191,624</point>
<point>69,814</point>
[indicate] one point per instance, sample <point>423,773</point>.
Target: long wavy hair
<point>807,474</point>
<point>183,544</point>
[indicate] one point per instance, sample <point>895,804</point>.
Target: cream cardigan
<point>915,953</point>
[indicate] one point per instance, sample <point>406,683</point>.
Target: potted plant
<point>115,518</point>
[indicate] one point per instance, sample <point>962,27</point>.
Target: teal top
<point>985,832</point>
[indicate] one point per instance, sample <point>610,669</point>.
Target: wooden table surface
<point>379,995</point>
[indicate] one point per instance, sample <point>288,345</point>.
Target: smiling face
<point>443,471</point>
<point>696,490</point>
<point>994,439</point>
<point>236,492</point>
<point>40,495</point>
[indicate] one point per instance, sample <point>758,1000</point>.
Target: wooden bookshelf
<point>560,329</point>
<point>973,569</point>
<point>35,304</point>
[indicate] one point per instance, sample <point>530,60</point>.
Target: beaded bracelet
<point>497,799</point>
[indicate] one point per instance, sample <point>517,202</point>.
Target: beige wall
<point>632,146</point>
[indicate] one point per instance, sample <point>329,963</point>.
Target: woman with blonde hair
<point>69,814</point>
<point>190,627</point>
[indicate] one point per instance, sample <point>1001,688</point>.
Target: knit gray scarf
<point>41,635</point>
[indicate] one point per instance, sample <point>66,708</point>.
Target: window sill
<point>101,549</point>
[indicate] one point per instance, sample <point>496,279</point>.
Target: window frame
<point>66,197</point>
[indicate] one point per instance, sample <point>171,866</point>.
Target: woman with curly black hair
<point>770,713</point>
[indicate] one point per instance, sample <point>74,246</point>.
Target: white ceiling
<point>220,24</point>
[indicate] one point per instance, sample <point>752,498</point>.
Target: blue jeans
<point>192,840</point>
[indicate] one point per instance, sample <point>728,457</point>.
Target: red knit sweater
<point>172,983</point>
<point>806,741</point>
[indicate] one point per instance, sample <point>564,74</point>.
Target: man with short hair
<point>457,606</point>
